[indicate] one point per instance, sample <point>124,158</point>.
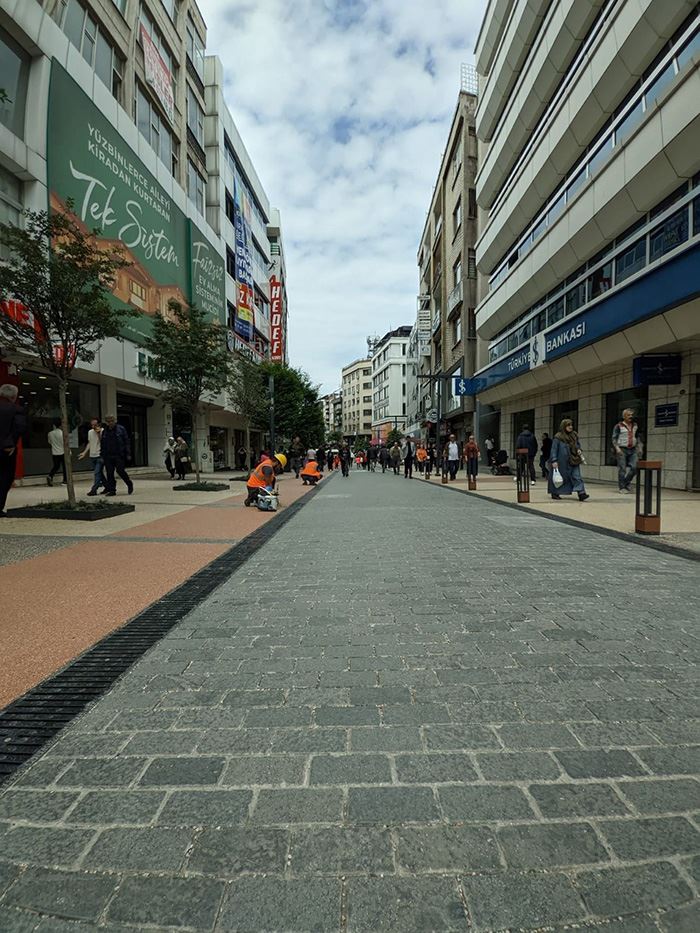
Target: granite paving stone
<point>385,740</point>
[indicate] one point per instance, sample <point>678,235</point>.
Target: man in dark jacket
<point>526,439</point>
<point>13,424</point>
<point>115,451</point>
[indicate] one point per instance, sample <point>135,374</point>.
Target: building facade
<point>356,390</point>
<point>589,184</point>
<point>114,104</point>
<point>447,276</point>
<point>389,372</point>
<point>332,405</point>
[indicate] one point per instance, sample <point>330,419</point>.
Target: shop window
<point>555,312</point>
<point>457,217</point>
<point>696,216</point>
<point>14,71</point>
<point>615,404</point>
<point>564,410</point>
<point>631,261</point>
<point>576,297</point>
<point>670,234</point>
<point>10,204</point>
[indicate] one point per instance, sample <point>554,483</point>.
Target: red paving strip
<point>66,600</point>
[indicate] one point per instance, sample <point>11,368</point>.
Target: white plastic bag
<point>557,478</point>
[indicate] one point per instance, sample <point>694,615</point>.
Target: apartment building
<point>389,373</point>
<point>332,405</point>
<point>418,389</point>
<point>447,273</point>
<point>356,389</point>
<point>589,183</point>
<point>114,104</point>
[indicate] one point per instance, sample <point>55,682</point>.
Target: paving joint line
<point>95,671</point>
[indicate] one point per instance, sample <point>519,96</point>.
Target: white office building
<point>589,249</point>
<point>389,372</point>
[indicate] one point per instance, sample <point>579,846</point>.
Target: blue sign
<point>462,386</point>
<point>657,369</point>
<point>666,416</point>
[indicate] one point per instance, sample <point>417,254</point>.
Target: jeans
<point>531,468</point>
<point>295,464</point>
<point>112,464</point>
<point>97,478</point>
<point>453,466</point>
<point>408,467</point>
<point>626,466</point>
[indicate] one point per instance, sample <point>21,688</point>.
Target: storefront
<point>218,444</point>
<point>132,414</point>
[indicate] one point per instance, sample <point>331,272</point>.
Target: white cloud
<point>344,107</point>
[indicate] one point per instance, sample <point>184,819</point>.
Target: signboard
<point>657,369</point>
<point>158,75</point>
<point>207,276</point>
<point>276,329</point>
<point>462,386</point>
<point>666,416</point>
<point>113,191</point>
<point>245,303</point>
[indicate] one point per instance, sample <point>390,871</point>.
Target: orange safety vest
<point>311,469</point>
<point>258,480</point>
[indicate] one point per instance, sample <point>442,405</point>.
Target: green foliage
<point>361,443</point>
<point>334,438</point>
<point>202,486</point>
<point>63,276</point>
<point>190,354</point>
<point>393,437</point>
<point>297,406</point>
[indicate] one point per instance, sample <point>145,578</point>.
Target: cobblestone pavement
<point>409,711</point>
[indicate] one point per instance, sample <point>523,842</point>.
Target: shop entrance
<point>218,444</point>
<point>132,414</point>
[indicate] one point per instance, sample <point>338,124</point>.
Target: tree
<point>393,437</point>
<point>297,406</point>
<point>193,363</point>
<point>335,438</point>
<point>60,278</point>
<point>249,397</point>
<point>360,443</point>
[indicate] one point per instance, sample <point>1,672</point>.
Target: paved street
<point>411,710</point>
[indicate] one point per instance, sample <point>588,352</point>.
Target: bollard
<point>647,518</point>
<point>522,474</point>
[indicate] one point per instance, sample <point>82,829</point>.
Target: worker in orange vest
<point>262,478</point>
<point>310,474</point>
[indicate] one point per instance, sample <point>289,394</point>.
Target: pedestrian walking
<point>421,457</point>
<point>296,455</point>
<point>181,456</point>
<point>345,455</point>
<point>408,452</point>
<point>471,454</point>
<point>545,451</point>
<point>490,445</point>
<point>242,457</point>
<point>13,426</point>
<point>627,447</point>
<point>451,455</point>
<point>115,450</point>
<point>320,457</point>
<point>55,439</point>
<point>384,458</point>
<point>527,441</point>
<point>395,457</point>
<point>372,458</point>
<point>168,454</point>
<point>329,459</point>
<point>565,464</point>
<point>430,462</point>
<point>93,449</point>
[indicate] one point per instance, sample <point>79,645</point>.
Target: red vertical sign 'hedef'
<point>276,338</point>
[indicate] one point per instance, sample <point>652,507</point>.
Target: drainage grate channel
<point>32,721</point>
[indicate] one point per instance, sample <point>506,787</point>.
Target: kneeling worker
<point>262,478</point>
<point>310,474</point>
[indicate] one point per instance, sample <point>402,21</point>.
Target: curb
<point>662,546</point>
<point>29,723</point>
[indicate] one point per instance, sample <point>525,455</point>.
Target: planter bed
<point>201,487</point>
<point>88,513</point>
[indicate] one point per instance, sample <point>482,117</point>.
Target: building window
<point>155,130</point>
<point>121,5</point>
<point>457,330</point>
<point>631,261</point>
<point>195,49</point>
<point>457,217</point>
<point>138,294</point>
<point>456,159</point>
<point>14,71</point>
<point>472,202</point>
<point>195,116</point>
<point>471,264</point>
<point>670,234</point>
<point>10,204</point>
<point>92,41</point>
<point>230,263</point>
<point>195,187</point>
<point>170,6</point>
<point>230,208</point>
<point>156,37</point>
<point>457,273</point>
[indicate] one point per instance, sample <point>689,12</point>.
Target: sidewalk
<point>361,732</point>
<point>72,582</point>
<point>607,508</point>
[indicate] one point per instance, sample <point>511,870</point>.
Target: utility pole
<point>271,386</point>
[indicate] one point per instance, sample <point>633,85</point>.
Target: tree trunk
<point>195,444</point>
<point>65,429</point>
<point>248,464</point>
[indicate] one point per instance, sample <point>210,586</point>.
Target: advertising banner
<point>110,188</point>
<point>276,330</point>
<point>245,303</point>
<point>158,75</point>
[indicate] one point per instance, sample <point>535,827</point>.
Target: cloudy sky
<point>345,107</point>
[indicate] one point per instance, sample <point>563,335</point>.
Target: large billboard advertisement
<point>90,164</point>
<point>276,328</point>
<point>245,299</point>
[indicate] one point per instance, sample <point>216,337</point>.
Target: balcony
<point>436,322</point>
<point>455,297</point>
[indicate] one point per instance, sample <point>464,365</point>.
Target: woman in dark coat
<point>182,458</point>
<point>567,457</point>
